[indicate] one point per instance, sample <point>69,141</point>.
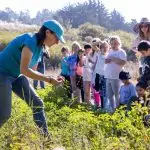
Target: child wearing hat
<point>127,90</point>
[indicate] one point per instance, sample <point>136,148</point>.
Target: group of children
<point>97,72</point>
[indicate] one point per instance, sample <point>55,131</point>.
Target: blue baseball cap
<point>56,27</point>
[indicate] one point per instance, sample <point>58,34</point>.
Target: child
<point>128,89</point>
<point>87,73</point>
<point>114,63</point>
<point>40,67</point>
<point>100,81</point>
<point>79,76</point>
<point>72,60</point>
<point>142,95</point>
<point>65,70</point>
<point>144,49</point>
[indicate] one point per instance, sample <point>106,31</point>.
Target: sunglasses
<point>144,26</point>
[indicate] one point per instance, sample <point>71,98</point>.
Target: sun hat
<point>56,27</point>
<point>144,20</point>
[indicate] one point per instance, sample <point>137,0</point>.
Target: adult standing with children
<point>16,61</point>
<point>143,30</point>
<point>114,63</point>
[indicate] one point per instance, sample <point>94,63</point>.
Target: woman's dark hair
<point>142,34</point>
<point>41,35</point>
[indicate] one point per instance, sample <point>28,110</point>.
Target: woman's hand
<point>56,81</point>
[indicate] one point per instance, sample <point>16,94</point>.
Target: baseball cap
<point>56,27</point>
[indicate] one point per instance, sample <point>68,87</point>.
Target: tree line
<point>73,15</point>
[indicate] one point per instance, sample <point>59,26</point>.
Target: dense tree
<point>74,15</point>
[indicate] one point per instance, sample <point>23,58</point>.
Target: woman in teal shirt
<point>16,62</point>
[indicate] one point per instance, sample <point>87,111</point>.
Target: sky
<point>128,8</point>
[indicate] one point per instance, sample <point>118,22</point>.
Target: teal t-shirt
<point>10,57</point>
<point>65,66</point>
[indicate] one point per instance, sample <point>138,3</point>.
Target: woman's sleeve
<point>30,43</point>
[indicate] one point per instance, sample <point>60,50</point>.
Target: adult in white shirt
<point>114,63</point>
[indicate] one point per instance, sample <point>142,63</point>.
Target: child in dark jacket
<point>144,49</point>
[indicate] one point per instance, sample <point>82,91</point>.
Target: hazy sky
<point>128,8</point>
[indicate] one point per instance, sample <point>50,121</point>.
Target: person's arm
<point>118,61</point>
<point>26,57</point>
<point>35,67</point>
<point>81,62</point>
<point>133,91</point>
<point>145,77</point>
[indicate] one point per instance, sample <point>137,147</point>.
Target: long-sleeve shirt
<point>145,76</point>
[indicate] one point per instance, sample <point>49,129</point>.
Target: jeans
<point>112,92</point>
<point>100,85</point>
<point>35,82</point>
<point>21,87</point>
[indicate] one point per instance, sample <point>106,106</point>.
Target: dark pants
<point>40,69</point>
<point>21,87</point>
<point>79,84</point>
<point>100,85</point>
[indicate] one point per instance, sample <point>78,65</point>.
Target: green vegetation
<point>74,128</point>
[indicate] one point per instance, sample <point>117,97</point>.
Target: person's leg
<point>110,94</point>
<point>82,94</point>
<point>103,91</point>
<point>24,90</point>
<point>35,84</point>
<point>5,98</point>
<point>116,87</point>
<point>87,91</point>
<point>74,87</point>
<point>42,83</point>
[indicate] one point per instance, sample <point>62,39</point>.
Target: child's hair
<point>78,59</point>
<point>80,50</point>
<point>115,37</point>
<point>144,45</point>
<point>86,46</point>
<point>96,42</point>
<point>142,85</point>
<point>76,44</point>
<point>123,75</point>
<point>103,43</point>
<point>65,48</point>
